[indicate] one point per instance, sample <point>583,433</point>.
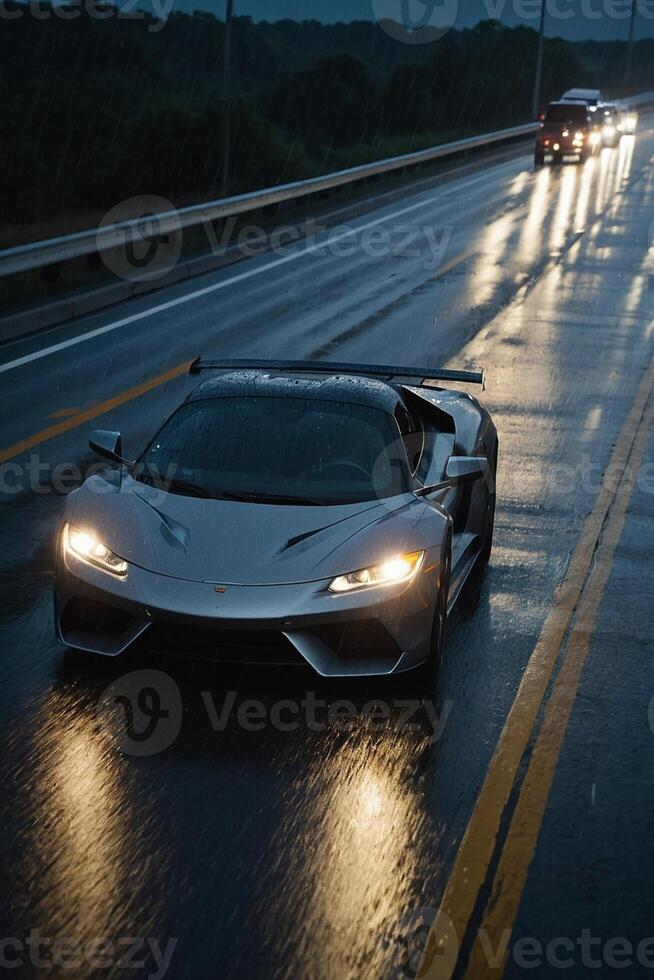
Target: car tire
<point>439,624</point>
<point>426,671</point>
<point>489,519</point>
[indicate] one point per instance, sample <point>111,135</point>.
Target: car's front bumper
<point>560,147</point>
<point>370,632</point>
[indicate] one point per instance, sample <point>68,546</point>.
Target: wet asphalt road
<point>308,847</point>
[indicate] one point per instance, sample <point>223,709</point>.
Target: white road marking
<point>207,290</point>
<point>472,181</point>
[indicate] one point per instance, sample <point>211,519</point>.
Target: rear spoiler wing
<point>414,375</point>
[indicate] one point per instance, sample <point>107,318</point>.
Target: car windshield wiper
<point>273,498</point>
<point>173,486</point>
<point>188,489</point>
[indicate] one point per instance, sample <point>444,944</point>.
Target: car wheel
<point>425,672</point>
<point>489,520</point>
<point>439,626</point>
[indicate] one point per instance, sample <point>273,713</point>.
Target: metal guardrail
<point>53,251</point>
<point>645,98</point>
<point>36,255</point>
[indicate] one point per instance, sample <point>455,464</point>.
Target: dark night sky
<point>590,18</point>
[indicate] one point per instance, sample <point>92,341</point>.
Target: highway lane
<point>287,852</point>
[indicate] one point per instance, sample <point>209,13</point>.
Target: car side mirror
<point>462,469</point>
<point>109,445</point>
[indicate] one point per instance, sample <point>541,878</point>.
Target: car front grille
<point>218,645</point>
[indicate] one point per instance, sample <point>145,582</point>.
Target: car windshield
<point>567,114</point>
<point>289,450</point>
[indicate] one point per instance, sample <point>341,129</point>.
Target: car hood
<point>231,543</point>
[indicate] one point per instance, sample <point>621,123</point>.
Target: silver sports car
<point>288,512</point>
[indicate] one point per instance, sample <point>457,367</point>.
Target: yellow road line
<point>475,852</point>
<point>91,413</point>
<point>527,819</point>
<point>454,261</point>
<point>63,413</point>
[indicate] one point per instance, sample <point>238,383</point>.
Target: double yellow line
<point>576,604</point>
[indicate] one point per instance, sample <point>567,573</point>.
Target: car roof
<point>582,93</point>
<point>345,388</point>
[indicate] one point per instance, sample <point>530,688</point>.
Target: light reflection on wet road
<point>294,853</point>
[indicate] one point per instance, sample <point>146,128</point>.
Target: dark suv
<point>567,130</point>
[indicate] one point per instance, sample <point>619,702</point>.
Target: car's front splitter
<point>367,633</point>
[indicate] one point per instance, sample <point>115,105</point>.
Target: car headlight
<point>393,571</point>
<point>596,138</point>
<point>85,545</point>
<point>579,136</point>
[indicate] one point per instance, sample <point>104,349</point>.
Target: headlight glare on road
<point>393,571</point>
<point>86,546</point>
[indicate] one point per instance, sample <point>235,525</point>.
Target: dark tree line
<point>95,111</point>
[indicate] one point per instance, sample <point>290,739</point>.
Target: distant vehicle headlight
<point>557,146</point>
<point>566,132</point>
<point>579,136</point>
<point>630,123</point>
<point>86,546</point>
<point>596,139</point>
<point>393,571</point>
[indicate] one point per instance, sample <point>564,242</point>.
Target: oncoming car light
<point>630,123</point>
<point>86,546</point>
<point>393,571</point>
<point>596,139</point>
